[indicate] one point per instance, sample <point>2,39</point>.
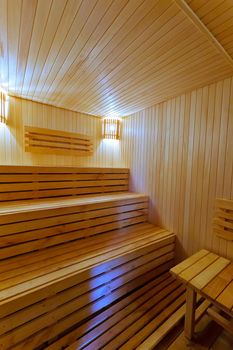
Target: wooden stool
<point>211,276</point>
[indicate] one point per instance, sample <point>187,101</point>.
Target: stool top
<point>210,275</point>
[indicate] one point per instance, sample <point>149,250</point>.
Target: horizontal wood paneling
<point>105,57</point>
<point>23,112</point>
<point>180,153</point>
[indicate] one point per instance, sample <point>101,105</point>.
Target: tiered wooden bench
<point>69,263</point>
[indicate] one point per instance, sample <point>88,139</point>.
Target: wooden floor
<point>208,335</point>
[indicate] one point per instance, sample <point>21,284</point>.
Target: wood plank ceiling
<point>111,57</point>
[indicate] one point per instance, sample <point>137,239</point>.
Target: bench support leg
<point>190,313</point>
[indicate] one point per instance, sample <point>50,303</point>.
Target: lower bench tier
<point>139,320</point>
<point>40,312</point>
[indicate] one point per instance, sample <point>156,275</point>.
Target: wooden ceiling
<point>113,57</point>
<point>218,18</point>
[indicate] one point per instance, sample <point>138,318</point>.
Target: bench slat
<point>66,255</point>
<point>78,263</point>
<point>42,229</point>
<point>147,261</point>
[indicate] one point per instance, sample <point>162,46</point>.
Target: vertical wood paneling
<point>180,153</point>
<point>24,112</point>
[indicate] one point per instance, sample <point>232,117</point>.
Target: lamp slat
<point>2,107</point>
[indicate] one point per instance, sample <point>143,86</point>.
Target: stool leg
<point>190,313</point>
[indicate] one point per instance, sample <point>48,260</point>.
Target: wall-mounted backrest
<point>34,182</point>
<point>223,219</point>
<point>49,141</point>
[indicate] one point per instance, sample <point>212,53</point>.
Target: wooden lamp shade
<point>111,128</point>
<point>3,98</point>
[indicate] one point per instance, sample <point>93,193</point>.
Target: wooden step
<point>36,226</point>
<point>58,261</point>
<point>38,205</point>
<point>139,321</point>
<point>128,322</point>
<point>166,327</point>
<point>37,305</point>
<point>65,260</point>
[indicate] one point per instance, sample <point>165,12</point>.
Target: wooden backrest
<point>47,141</point>
<point>223,219</point>
<point>33,182</point>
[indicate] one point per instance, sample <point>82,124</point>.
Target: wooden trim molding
<point>42,140</point>
<point>201,26</point>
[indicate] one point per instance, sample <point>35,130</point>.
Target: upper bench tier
<point>34,182</point>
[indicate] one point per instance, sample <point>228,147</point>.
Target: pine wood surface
<point>180,153</point>
<point>43,296</point>
<point>223,219</point>
<point>49,141</point>
<point>22,182</point>
<point>112,57</point>
<point>129,322</point>
<point>24,112</point>
<point>65,260</point>
<point>140,321</point>
<point>210,275</point>
<point>38,226</point>
<point>217,17</point>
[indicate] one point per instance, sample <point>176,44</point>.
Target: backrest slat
<point>29,182</point>
<point>223,219</point>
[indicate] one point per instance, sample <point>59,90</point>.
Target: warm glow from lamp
<point>3,106</point>
<point>111,128</point>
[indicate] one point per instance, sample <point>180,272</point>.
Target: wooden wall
<point>180,152</point>
<point>23,112</point>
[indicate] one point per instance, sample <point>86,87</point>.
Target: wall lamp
<point>111,128</point>
<point>3,106</point>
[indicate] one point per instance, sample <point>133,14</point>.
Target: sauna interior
<point>116,174</point>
